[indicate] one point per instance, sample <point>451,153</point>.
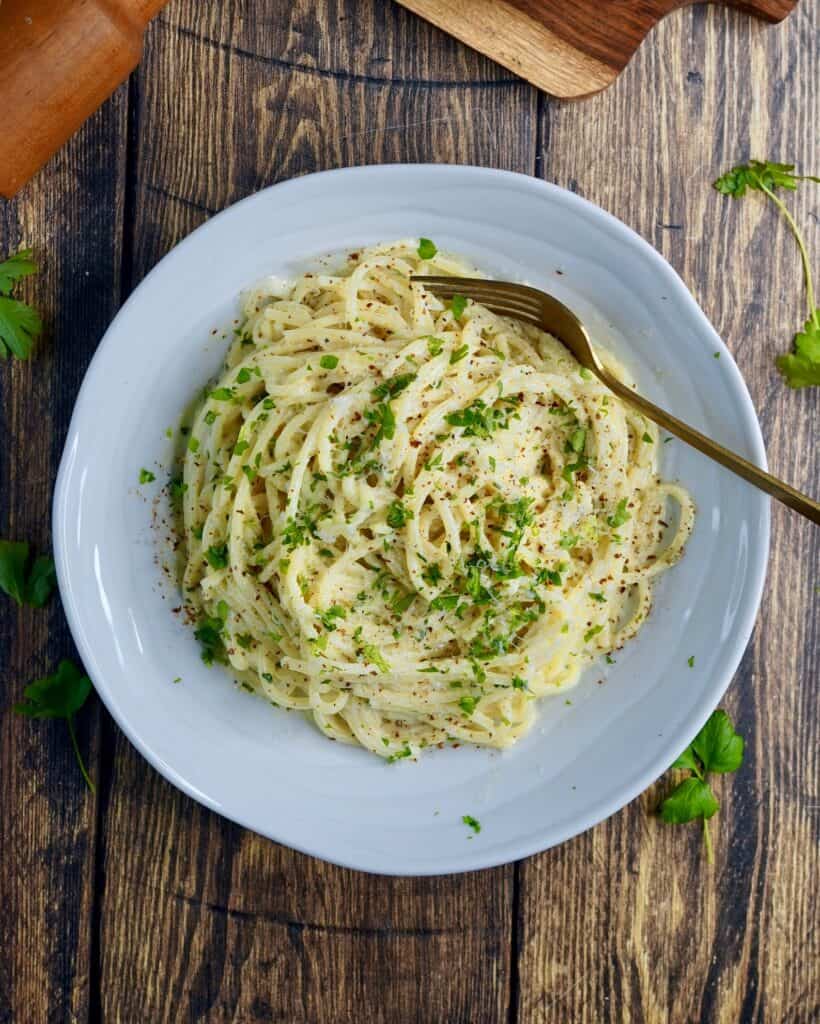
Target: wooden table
<point>141,906</point>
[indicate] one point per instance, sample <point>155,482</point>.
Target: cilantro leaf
<point>718,746</point>
<point>691,799</point>
<point>801,368</point>
<point>33,586</point>
<point>60,695</point>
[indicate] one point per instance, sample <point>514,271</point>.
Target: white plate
<point>270,770</point>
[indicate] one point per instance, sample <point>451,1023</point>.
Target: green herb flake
<point>458,304</point>
<point>146,476</point>
<point>427,249</point>
<point>329,362</point>
<point>458,354</point>
<point>472,823</point>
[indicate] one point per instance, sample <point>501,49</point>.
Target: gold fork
<point>536,307</point>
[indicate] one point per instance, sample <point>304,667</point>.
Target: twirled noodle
<point>410,519</point>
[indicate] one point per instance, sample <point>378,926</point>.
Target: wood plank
<point>71,215</point>
<point>569,49</point>
<point>628,923</point>
<point>200,919</point>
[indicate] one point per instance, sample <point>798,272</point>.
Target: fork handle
<point>801,503</point>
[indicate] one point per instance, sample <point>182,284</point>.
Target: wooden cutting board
<point>568,48</point>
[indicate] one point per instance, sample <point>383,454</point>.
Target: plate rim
<point>509,849</point>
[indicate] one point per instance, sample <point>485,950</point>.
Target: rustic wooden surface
<point>141,906</point>
<point>570,49</point>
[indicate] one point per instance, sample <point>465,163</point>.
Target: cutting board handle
<point>58,63</point>
<point>569,48</point>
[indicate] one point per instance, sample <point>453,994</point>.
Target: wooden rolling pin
<point>59,60</point>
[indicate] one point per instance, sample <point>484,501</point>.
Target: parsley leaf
<point>457,306</point>
<point>692,799</point>
<point>802,367</point>
<point>329,362</point>
<point>32,585</point>
<point>60,695</point>
<point>480,419</point>
<point>374,656</point>
<point>146,476</point>
<point>716,748</point>
<point>14,268</point>
<point>427,249</point>
<point>20,325</point>
<point>458,354</point>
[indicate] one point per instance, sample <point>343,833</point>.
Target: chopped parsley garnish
<point>398,514</point>
<point>374,656</point>
<point>432,574</point>
<point>444,602</point>
<point>393,386</point>
<point>569,540</point>
<point>427,249</point>
<point>176,489</point>
<point>458,354</point>
<point>519,684</point>
<point>243,376</point>
<point>646,439</point>
<point>481,420</point>
<point>593,631</point>
<point>472,823</point>
<point>193,445</point>
<point>209,635</point>
<point>245,640</point>
<point>457,306</point>
<point>299,529</point>
<point>382,417</point>
<point>223,395</point>
<point>690,661</point>
<point>240,447</point>
<point>404,752</point>
<point>468,704</point>
<point>328,618</point>
<point>620,516</point>
<point>598,596</point>
<point>578,439</point>
<point>435,346</point>
<point>146,476</point>
<point>329,362</point>
<point>217,556</point>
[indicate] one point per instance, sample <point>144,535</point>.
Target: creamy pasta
<point>412,519</point>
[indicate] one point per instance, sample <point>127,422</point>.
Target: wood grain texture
<point>70,216</point>
<point>246,930</point>
<point>569,49</point>
<point>629,923</point>
<point>186,917</point>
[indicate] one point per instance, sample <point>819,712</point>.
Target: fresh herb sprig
<point>800,368</point>
<point>717,748</point>
<point>20,324</point>
<point>25,582</point>
<point>60,695</point>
